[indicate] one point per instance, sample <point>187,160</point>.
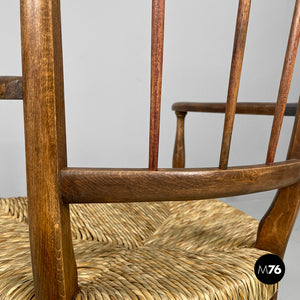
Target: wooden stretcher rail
<point>10,87</point>
<point>248,108</point>
<point>85,185</point>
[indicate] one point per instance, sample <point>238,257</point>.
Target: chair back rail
<point>234,80</point>
<point>85,185</point>
<point>157,43</point>
<point>285,83</point>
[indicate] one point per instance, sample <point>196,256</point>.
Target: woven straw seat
<point>161,254</point>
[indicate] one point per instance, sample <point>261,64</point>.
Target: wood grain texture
<point>234,80</point>
<point>179,148</point>
<point>52,186</point>
<point>247,108</point>
<point>275,296</point>
<point>157,43</point>
<point>294,147</point>
<point>276,225</point>
<point>54,268</point>
<point>83,185</point>
<point>285,82</point>
<point>11,87</point>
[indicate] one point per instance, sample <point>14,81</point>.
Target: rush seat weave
<point>161,254</point>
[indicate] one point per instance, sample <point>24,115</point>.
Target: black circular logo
<point>269,269</point>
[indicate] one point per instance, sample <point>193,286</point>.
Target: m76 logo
<point>269,269</point>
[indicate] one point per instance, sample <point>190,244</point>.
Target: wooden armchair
<point>131,245</point>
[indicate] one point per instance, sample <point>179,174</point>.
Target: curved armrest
<point>92,185</point>
<point>250,108</point>
<point>10,87</point>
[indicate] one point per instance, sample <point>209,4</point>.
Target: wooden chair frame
<point>51,185</point>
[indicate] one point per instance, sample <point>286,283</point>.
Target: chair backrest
<point>52,186</point>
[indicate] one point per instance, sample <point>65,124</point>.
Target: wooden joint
<point>11,87</point>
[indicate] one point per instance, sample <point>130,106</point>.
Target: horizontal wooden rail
<point>10,87</point>
<point>83,185</point>
<point>248,108</point>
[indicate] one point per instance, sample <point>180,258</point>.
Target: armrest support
<point>250,108</point>
<point>10,87</point>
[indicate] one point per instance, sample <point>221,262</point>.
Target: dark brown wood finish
<point>157,43</point>
<point>52,185</point>
<point>84,185</point>
<point>276,225</point>
<point>250,108</point>
<point>234,80</point>
<point>179,148</point>
<point>54,267</point>
<point>294,147</point>
<point>10,87</point>
<point>285,82</point>
<point>247,108</point>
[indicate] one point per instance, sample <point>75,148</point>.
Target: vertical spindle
<point>179,149</point>
<point>234,80</point>
<point>157,42</point>
<point>285,83</point>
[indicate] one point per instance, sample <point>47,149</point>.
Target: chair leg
<point>275,227</point>
<point>54,267</point>
<point>179,149</point>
